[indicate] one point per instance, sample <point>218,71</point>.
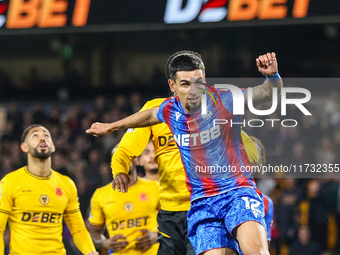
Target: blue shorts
<point>211,220</point>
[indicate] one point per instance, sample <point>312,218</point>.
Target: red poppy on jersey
<point>143,197</point>
<point>58,191</point>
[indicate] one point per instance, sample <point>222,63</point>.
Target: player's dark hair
<point>24,134</point>
<point>260,144</point>
<point>183,61</point>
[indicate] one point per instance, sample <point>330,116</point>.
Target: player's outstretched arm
<point>268,66</point>
<point>140,119</point>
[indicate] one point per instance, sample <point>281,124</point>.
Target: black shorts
<point>172,236</point>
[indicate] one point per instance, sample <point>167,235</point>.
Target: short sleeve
<point>96,217</point>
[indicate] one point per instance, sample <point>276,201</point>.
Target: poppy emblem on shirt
<point>44,199</point>
<point>58,191</point>
<point>192,124</point>
<point>128,207</point>
<point>143,197</point>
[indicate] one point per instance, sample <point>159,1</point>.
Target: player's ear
<point>24,147</point>
<point>53,147</point>
<point>172,85</point>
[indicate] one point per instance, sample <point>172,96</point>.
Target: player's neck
<point>149,175</point>
<point>133,178</point>
<point>39,167</point>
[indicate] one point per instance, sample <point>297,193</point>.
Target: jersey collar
<point>36,176</point>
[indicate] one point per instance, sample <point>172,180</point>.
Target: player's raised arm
<point>140,119</point>
<point>267,65</point>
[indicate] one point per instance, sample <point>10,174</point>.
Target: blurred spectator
<point>100,106</point>
<point>59,164</point>
<point>15,116</point>
<point>336,140</point>
<point>92,170</point>
<point>39,115</point>
<point>81,183</point>
<point>135,102</point>
<point>288,208</point>
<point>55,116</point>
<point>122,105</point>
<point>105,174</point>
<point>310,126</point>
<point>331,104</point>
<point>299,156</point>
<point>6,166</point>
<point>292,135</point>
<point>16,155</point>
<point>27,119</point>
<point>318,214</point>
<point>72,118</point>
<point>9,132</point>
<point>325,154</point>
<point>92,178</point>
<point>303,245</point>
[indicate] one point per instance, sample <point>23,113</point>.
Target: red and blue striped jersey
<point>211,147</point>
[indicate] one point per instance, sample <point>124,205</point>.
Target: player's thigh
<point>221,251</point>
<point>206,230</point>
<point>166,245</point>
<point>173,232</point>
<point>173,224</point>
<point>245,220</point>
<point>252,238</point>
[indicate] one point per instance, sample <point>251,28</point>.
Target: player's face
<point>146,158</point>
<point>38,143</point>
<point>186,87</point>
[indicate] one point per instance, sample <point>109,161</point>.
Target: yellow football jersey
<point>174,195</point>
<point>127,213</point>
<point>35,208</point>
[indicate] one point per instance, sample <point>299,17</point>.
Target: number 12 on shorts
<point>252,204</point>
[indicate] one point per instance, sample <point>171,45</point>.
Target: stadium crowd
<point>307,210</point>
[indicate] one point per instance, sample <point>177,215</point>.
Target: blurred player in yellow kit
<point>35,200</point>
<point>146,161</point>
<point>174,195</point>
<point>130,219</point>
